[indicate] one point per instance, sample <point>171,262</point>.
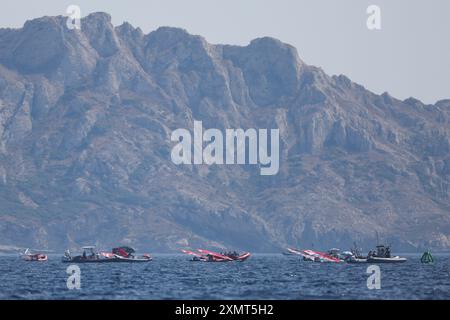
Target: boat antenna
<point>355,247</point>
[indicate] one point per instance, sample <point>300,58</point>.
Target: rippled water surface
<point>260,277</point>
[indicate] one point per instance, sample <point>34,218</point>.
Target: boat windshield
<point>90,251</point>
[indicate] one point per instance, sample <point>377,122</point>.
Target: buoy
<point>427,257</point>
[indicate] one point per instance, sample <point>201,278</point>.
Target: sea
<point>262,276</point>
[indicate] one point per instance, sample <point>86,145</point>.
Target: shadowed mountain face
<point>85,123</point>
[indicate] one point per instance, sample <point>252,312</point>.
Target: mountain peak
<point>43,21</point>
<point>98,17</point>
<point>267,42</point>
<point>38,46</point>
<point>269,45</point>
<point>172,35</point>
<point>173,30</point>
<point>101,34</point>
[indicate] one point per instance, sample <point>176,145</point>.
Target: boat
<point>383,255</point>
<point>353,259</point>
<point>28,256</point>
<point>211,256</point>
<point>355,256</point>
<point>395,259</point>
<point>242,257</point>
<point>338,254</point>
<point>89,255</point>
<point>126,254</point>
<point>119,254</point>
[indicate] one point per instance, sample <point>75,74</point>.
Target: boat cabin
<point>383,251</point>
<point>89,252</point>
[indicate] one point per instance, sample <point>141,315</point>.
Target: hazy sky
<point>409,56</point>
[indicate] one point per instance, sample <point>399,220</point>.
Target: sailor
<point>388,252</point>
<point>67,254</point>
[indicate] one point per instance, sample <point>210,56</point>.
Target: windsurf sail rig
<point>123,251</point>
<point>300,253</point>
<point>215,254</point>
<point>192,253</point>
<point>296,251</point>
<point>211,256</point>
<point>322,256</point>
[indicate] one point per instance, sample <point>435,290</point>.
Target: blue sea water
<point>260,277</point>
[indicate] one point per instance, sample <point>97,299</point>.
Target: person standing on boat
<point>388,252</point>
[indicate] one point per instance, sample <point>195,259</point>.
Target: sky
<point>408,57</point>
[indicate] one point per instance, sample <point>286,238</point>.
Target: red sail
<point>215,254</point>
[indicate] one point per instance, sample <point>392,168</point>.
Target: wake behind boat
<point>211,256</point>
<point>119,254</point>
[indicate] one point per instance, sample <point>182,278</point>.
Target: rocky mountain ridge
<point>85,123</point>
